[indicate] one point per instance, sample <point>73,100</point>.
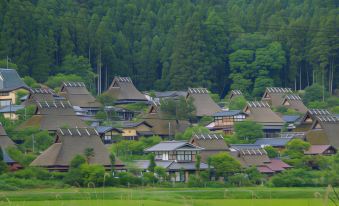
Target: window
<point>184,155</point>
<point>4,94</point>
<point>5,102</point>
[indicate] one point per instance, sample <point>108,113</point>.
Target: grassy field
<point>259,196</point>
<point>238,202</point>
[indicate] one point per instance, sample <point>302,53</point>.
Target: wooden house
<point>224,121</point>
<point>177,157</point>
<point>109,134</point>
<point>10,84</point>
<point>53,115</point>
<point>321,150</point>
<point>69,143</point>
<point>309,118</point>
<point>123,91</point>
<point>134,130</point>
<point>204,104</point>
<point>275,95</point>
<point>261,113</point>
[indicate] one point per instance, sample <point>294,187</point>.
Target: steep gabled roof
<point>209,142</point>
<point>325,130</point>
<point>294,101</point>
<point>72,142</point>
<point>5,142</point>
<point>235,93</point>
<point>53,115</point>
<point>123,89</point>
<point>78,95</point>
<point>172,146</point>
<point>312,114</point>
<point>275,95</point>
<point>10,80</point>
<point>318,149</point>
<point>261,112</point>
<point>162,125</point>
<point>39,95</point>
<point>204,104</point>
<point>251,157</point>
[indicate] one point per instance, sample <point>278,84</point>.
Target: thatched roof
<point>163,125</point>
<point>78,95</point>
<point>10,80</point>
<point>53,115</point>
<point>294,101</point>
<point>325,130</point>
<point>275,95</point>
<point>250,157</point>
<point>123,89</point>
<point>210,142</point>
<point>69,143</point>
<point>261,112</point>
<point>235,93</point>
<point>5,142</point>
<point>39,95</point>
<point>204,104</point>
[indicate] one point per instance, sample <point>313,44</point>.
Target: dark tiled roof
<point>290,118</point>
<point>104,129</point>
<point>11,108</point>
<point>228,113</point>
<point>172,145</point>
<point>274,142</point>
<point>10,80</point>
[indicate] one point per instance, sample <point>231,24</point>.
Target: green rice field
<point>167,197</point>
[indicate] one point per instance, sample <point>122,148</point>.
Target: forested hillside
<point>173,44</point>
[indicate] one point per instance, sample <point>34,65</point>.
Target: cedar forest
<point>175,44</point>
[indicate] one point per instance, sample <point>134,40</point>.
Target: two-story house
<point>177,157</point>
<point>224,121</point>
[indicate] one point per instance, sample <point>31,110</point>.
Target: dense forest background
<point>173,44</point>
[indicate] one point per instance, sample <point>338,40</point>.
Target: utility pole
<point>169,130</point>
<point>7,60</point>
<point>33,141</point>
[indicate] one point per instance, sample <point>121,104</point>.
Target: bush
<point>239,180</point>
<point>194,181</point>
<point>128,179</point>
<point>294,178</point>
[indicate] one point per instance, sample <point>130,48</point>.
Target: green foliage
<point>89,153</point>
<point>317,105</point>
<point>152,165</point>
<point>19,94</point>
<point>296,148</point>
<point>294,178</point>
<point>140,106</point>
<point>237,103</point>
<point>18,156</point>
<point>224,164</point>
<point>3,167</point>
<point>106,99</point>
<point>77,161</point>
<point>42,139</point>
<point>161,173</point>
<point>248,130</point>
<point>205,120</point>
<point>215,97</point>
<point>190,131</point>
<point>101,115</point>
<point>26,113</point>
<point>31,82</point>
<point>271,152</point>
<point>181,109</point>
<point>11,65</point>
<point>314,93</point>
<point>56,81</point>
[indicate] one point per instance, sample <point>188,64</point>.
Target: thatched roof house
<point>204,104</point>
<point>235,93</point>
<point>163,125</point>
<point>324,131</point>
<point>69,143</point>
<point>53,115</point>
<point>39,95</point>
<point>275,95</point>
<point>293,101</point>
<point>212,144</point>
<point>78,95</point>
<point>309,118</point>
<point>123,90</point>
<point>5,142</point>
<point>261,113</point>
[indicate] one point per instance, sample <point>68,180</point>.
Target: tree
<point>152,164</point>
<point>295,149</point>
<point>271,152</point>
<point>237,103</point>
<point>224,164</point>
<point>56,81</point>
<point>190,131</point>
<point>197,164</point>
<point>314,93</point>
<point>112,158</point>
<point>248,130</point>
<point>89,153</point>
<point>77,161</point>
<point>160,172</point>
